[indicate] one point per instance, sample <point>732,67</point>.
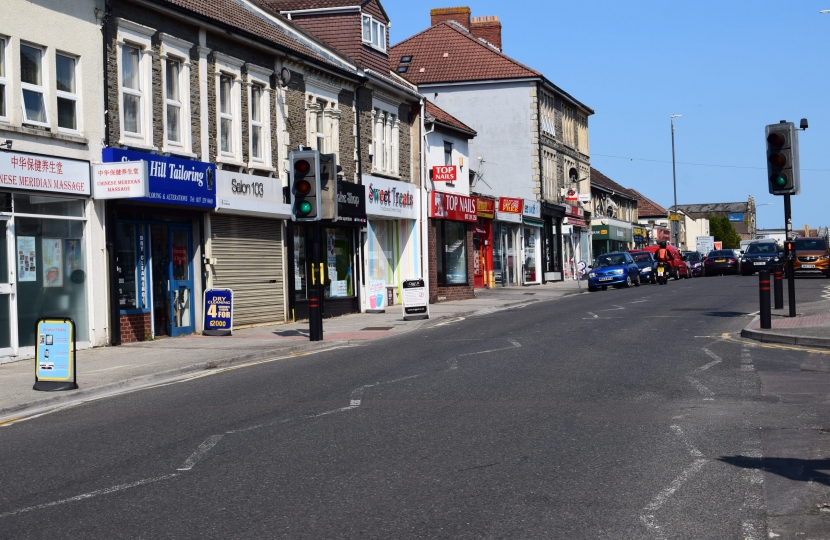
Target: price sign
<point>415,300</point>
<point>218,312</point>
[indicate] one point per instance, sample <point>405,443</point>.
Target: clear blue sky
<point>728,67</point>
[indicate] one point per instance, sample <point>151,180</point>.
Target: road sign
<point>674,217</point>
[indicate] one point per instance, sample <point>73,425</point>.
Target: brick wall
<point>295,102</point>
<point>488,29</point>
<point>454,292</point>
<point>458,14</point>
<point>364,109</point>
<point>347,139</point>
<point>135,328</point>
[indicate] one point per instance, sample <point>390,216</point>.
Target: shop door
<point>478,261</point>
<point>508,241</point>
<point>7,301</point>
<point>181,282</point>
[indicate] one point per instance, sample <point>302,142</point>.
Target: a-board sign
<point>218,312</point>
<point>55,354</point>
<point>415,300</point>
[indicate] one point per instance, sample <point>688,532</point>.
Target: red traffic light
<point>776,139</point>
<point>302,187</point>
<point>302,166</point>
<point>777,160</point>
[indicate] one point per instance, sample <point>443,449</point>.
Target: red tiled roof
<point>648,208</point>
<point>295,5</point>
<point>443,117</point>
<point>599,179</point>
<point>236,15</point>
<point>447,53</point>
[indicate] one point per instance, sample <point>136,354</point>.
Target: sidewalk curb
<point>771,337</point>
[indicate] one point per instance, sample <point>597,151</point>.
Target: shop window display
<point>452,259</point>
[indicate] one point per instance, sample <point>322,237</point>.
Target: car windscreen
<point>641,257</point>
<point>611,260</point>
<point>762,248</point>
<point>693,256</point>
<point>810,244</point>
<point>722,253</point>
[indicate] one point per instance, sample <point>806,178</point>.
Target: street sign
<point>674,217</point>
<point>705,244</point>
<point>218,312</point>
<point>415,300</point>
<point>55,355</point>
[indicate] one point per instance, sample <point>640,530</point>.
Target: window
<point>225,115</point>
<point>256,122</point>
<point>452,259</point>
<point>320,129</point>
<point>568,125</point>
<point>386,142</point>
<point>131,89</point>
<point>134,83</point>
<point>31,83</point>
<point>582,133</point>
<point>447,153</point>
<point>259,120</point>
<point>173,100</point>
<point>67,92</point>
<point>547,107</point>
<point>3,80</point>
<point>374,33</point>
<point>323,124</point>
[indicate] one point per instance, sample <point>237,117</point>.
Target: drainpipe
<point>424,201</point>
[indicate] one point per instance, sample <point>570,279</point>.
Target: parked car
<point>811,256</point>
<point>678,267</point>
<point>720,262</point>
<point>694,261</point>
<point>645,262</point>
<point>617,269</point>
<point>761,255</point>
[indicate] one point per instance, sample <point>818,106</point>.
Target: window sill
<point>181,152</point>
<point>138,145</point>
<point>261,167</point>
<point>386,175</point>
<point>41,133</point>
<point>224,160</point>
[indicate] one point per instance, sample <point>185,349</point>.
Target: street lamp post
<point>675,223</point>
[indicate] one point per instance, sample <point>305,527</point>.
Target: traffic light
<point>789,250</point>
<point>782,159</point>
<point>305,185</point>
<point>328,185</point>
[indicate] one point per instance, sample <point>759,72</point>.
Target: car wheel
<point>637,283</point>
<point>605,287</point>
<point>628,282</point>
<point>592,289</point>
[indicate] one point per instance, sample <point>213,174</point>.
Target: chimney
<point>461,15</point>
<point>487,28</point>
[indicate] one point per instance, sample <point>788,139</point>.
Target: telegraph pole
<point>675,223</point>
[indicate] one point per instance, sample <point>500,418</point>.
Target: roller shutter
<point>248,253</point>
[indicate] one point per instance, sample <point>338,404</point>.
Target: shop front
<point>640,235</point>
<point>157,275</point>
<point>44,248</point>
<point>532,225</point>
<point>611,237</point>
<point>554,257</point>
<point>452,221</point>
<point>391,249</point>
<point>507,242</point>
<point>340,240</point>
<point>245,248</point>
<point>575,246</point>
<point>483,276</point>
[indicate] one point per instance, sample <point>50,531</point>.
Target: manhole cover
<point>377,328</point>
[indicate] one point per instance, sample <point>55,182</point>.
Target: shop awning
<point>533,222</point>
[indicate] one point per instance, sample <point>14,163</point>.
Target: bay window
<point>32,87</point>
<point>65,78</point>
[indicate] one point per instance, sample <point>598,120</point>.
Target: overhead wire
<point>697,164</point>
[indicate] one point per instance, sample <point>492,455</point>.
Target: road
<point>624,414</point>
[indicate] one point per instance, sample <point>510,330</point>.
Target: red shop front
<point>483,243</point>
<point>451,264</point>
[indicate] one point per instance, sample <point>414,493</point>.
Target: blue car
<point>647,265</point>
<point>617,269</point>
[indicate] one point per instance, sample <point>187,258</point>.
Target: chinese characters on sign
<point>57,175</point>
<point>120,180</point>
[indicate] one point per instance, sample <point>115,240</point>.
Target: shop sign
<point>180,255</point>
<point>172,180</point>
<point>390,198</point>
<point>576,222</point>
<point>532,209</point>
<point>575,211</point>
<point>55,354</point>
<point>376,295</point>
<point>510,209</point>
<point>44,173</point>
<point>444,173</point>
<point>486,208</point>
<point>122,180</point>
<point>571,195</point>
<point>246,194</point>
<point>351,202</point>
<point>453,207</point>
<point>218,312</point>
<point>415,299</point>
<point>585,198</point>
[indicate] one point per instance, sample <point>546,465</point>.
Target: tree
<point>721,228</point>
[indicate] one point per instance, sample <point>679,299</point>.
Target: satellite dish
<point>285,76</point>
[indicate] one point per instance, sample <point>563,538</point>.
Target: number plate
<point>808,266</point>
<point>760,264</point>
<point>606,278</point>
<point>720,260</point>
<point>660,272</point>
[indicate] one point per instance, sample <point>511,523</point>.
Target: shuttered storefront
<point>248,253</point>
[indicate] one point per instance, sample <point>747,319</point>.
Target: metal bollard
<point>763,288</point>
<point>778,283</point>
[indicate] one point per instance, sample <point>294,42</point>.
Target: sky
<point>728,67</point>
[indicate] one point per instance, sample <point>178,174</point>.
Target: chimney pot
<point>461,15</point>
<point>487,28</point>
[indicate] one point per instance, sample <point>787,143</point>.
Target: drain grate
<point>377,328</point>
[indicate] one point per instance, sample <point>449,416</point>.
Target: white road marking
<point>593,315</point>
<point>751,530</point>
<point>712,355</point>
<point>200,452</point>
<point>453,364</point>
<point>91,494</point>
<point>747,367</point>
<point>638,302</point>
<point>699,387</point>
<point>616,308</point>
<point>449,321</point>
<point>692,450</point>
<point>707,366</point>
<point>513,342</point>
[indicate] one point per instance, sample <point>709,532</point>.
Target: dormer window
<point>374,33</point>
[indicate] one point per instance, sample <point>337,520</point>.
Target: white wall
<point>68,26</point>
<point>434,153</point>
<point>501,115</point>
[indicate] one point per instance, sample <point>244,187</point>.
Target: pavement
<point>105,371</point>
<point>809,328</point>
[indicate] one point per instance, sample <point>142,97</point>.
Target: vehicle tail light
<point>708,261</point>
<point>733,260</point>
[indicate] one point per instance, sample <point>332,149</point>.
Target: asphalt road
<point>623,414</point>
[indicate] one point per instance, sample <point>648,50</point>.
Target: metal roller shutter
<point>248,253</point>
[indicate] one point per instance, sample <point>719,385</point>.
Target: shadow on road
<point>802,470</point>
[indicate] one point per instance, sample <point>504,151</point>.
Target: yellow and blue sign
<point>55,355</point>
<point>218,312</point>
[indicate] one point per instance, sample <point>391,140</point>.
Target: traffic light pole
<point>788,225</point>
<point>315,292</point>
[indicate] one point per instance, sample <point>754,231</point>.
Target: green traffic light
<point>303,207</point>
<point>779,180</point>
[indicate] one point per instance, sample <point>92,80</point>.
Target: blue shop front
<point>156,246</point>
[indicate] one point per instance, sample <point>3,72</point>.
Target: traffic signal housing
<point>789,250</point>
<point>329,170</point>
<point>783,170</point>
<point>305,185</point>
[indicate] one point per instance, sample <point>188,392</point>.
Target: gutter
<point>409,91</point>
<point>342,9</point>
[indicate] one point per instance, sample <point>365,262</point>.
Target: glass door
<point>510,267</point>
<point>8,324</point>
<point>181,282</point>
